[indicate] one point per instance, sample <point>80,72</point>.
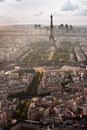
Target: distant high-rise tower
<point>51,38</point>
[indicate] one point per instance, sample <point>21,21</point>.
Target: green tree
<point>21,110</point>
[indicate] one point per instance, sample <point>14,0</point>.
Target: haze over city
<point>43,64</point>
<point>38,11</point>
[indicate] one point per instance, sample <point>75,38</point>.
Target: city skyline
<point>38,11</point>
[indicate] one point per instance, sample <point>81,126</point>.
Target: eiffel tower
<point>51,37</point>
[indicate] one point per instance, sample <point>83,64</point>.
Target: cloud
<point>82,12</point>
<point>84,1</point>
<point>18,0</point>
<point>2,17</point>
<point>68,6</point>
<point>2,0</point>
<point>6,0</point>
<point>56,14</point>
<point>38,14</point>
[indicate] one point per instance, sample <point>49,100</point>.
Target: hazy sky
<point>38,11</point>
